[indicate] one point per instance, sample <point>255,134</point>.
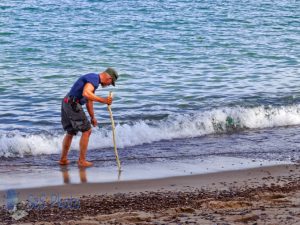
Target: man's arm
<point>88,93</point>
<point>90,108</point>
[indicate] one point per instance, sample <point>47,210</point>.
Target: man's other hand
<point>94,121</point>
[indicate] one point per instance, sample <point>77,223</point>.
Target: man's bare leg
<point>65,149</point>
<point>84,141</point>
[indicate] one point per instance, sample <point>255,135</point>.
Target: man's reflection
<point>66,176</point>
<point>82,174</point>
<point>65,173</point>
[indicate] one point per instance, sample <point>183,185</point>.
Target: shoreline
<point>172,183</point>
<point>148,195</point>
<point>23,177</point>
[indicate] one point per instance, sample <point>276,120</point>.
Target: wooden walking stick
<point>113,133</point>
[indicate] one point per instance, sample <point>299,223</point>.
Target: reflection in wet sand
<point>65,173</point>
<point>82,174</point>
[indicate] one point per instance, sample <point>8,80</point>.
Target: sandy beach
<point>264,195</point>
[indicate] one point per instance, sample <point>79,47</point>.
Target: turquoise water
<point>187,68</point>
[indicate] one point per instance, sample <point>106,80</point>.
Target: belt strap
<point>71,99</point>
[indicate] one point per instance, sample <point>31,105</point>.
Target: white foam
<point>20,145</point>
<point>175,126</point>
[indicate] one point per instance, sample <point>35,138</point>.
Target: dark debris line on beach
<point>146,201</point>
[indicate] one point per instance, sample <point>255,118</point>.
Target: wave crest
<point>219,120</point>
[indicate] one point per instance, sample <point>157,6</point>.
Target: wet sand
<point>265,195</point>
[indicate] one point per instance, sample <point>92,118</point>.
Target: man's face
<point>106,81</point>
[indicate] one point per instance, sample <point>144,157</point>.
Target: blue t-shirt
<point>77,89</point>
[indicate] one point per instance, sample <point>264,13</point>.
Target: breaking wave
<point>221,120</point>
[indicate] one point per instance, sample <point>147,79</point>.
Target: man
<point>73,117</point>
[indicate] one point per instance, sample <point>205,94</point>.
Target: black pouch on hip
<point>75,106</point>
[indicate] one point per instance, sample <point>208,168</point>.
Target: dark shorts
<point>73,118</point>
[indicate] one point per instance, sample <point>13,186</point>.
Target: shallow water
<point>24,177</point>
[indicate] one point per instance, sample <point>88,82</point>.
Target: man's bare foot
<point>63,162</point>
<point>84,163</point>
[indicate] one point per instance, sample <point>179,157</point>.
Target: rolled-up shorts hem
<point>75,132</point>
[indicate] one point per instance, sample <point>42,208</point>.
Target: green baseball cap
<point>113,73</point>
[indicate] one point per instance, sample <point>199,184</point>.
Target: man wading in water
<point>73,118</point>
